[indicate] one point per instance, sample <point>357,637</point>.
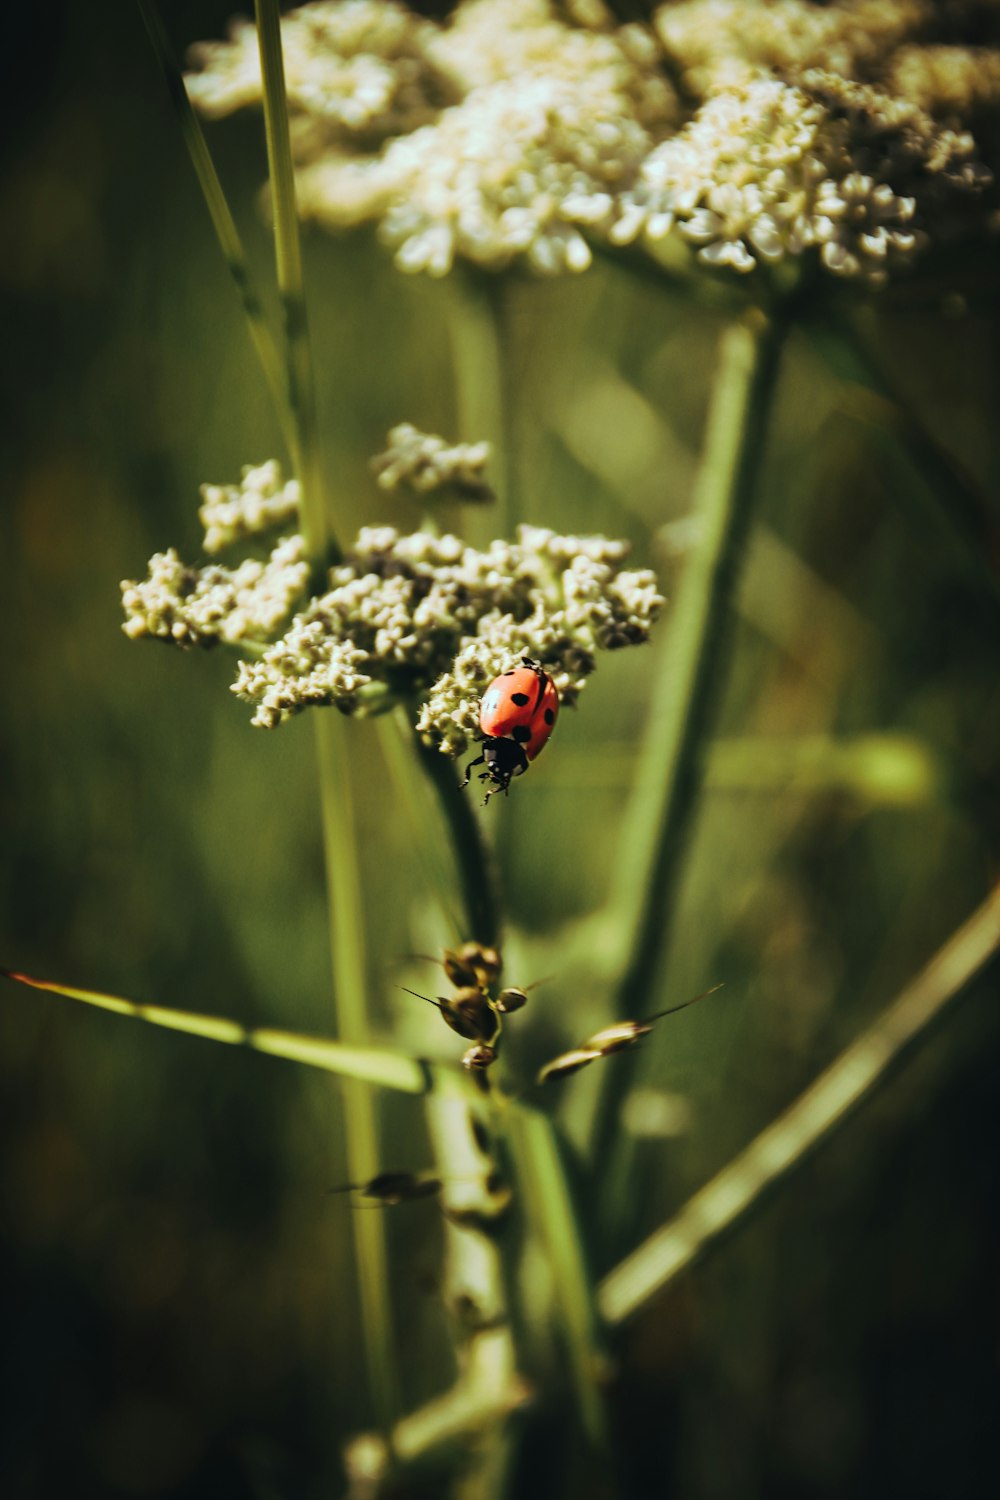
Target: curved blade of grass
<point>740,1186</point>
<point>222,220</point>
<point>370,1065</point>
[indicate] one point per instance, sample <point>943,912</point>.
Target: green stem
<point>222,220</point>
<point>347,944</point>
<point>477,877</point>
<point>785,1144</point>
<point>288,254</point>
<point>347,956</point>
<point>694,655</point>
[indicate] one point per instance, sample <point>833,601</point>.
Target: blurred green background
<point>180,1315</point>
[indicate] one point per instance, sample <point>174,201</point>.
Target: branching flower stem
<point>693,663</point>
<point>347,946</point>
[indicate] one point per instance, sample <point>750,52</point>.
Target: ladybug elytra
<point>517,714</point>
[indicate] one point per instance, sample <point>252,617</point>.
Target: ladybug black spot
<point>519,698</point>
<point>550,717</point>
<point>521,733</point>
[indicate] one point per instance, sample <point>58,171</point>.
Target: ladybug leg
<point>468,770</point>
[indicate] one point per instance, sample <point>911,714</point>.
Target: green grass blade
<point>740,1186</point>
<point>367,1065</point>
<point>301,390</point>
<point>222,220</point>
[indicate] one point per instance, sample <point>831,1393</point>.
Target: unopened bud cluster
<point>526,131</point>
<point>405,616</point>
<point>202,606</point>
<point>423,462</point>
<point>413,615</point>
<point>260,502</point>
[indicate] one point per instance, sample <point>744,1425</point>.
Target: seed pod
<point>479,1056</point>
<point>468,1012</point>
<point>472,964</point>
<point>566,1063</point>
<point>617,1038</point>
<point>510,1000</point>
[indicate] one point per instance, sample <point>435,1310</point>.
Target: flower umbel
<point>423,462</point>
<point>202,606</point>
<point>408,615</point>
<point>260,502</point>
<point>525,132</point>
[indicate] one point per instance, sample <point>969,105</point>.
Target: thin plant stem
<point>222,220</point>
<point>414,794</point>
<point>477,877</point>
<point>347,944</point>
<point>826,1104</point>
<point>300,381</point>
<point>347,957</point>
<point>383,1066</point>
<point>691,669</point>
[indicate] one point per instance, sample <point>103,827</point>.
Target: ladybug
<point>517,714</point>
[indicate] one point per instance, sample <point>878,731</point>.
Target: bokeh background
<point>180,1316</point>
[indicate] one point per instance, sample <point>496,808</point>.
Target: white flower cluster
<point>768,169</point>
<point>720,43</point>
<point>202,606</point>
<point>547,122</point>
<point>426,463</point>
<point>355,70</point>
<point>260,502</point>
<point>420,614</point>
<point>522,131</point>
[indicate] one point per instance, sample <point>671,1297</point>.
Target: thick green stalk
<point>691,670</point>
<point>222,220</point>
<point>826,1104</point>
<point>347,945</point>
<point>300,384</point>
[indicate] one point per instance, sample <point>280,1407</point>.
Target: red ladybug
<point>517,714</point>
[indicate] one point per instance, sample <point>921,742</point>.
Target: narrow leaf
<point>378,1065</point>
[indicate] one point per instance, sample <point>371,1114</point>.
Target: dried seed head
<point>510,1000</point>
<point>617,1038</point>
<point>478,1057</point>
<point>468,1012</point>
<point>472,964</point>
<point>566,1063</point>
